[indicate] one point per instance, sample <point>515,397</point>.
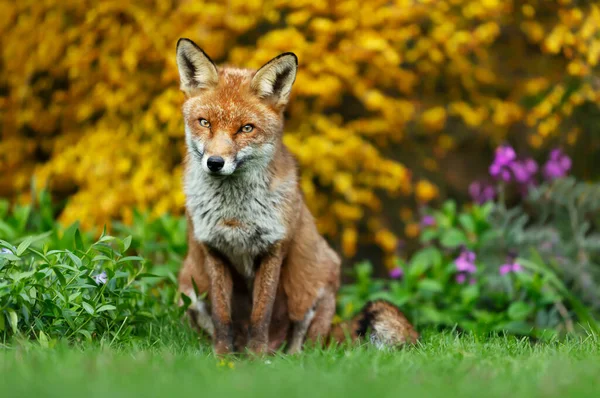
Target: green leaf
<point>43,339</point>
<point>423,260</point>
<point>470,294</point>
<point>101,257</point>
<point>106,238</point>
<point>13,319</point>
<point>467,222</point>
<point>24,245</point>
<point>78,241</point>
<point>60,276</point>
<point>430,285</point>
<point>23,275</point>
<point>449,208</point>
<point>428,235</point>
<point>75,259</point>
<point>453,238</point>
<point>86,334</point>
<point>519,310</point>
<point>130,258</point>
<point>88,308</point>
<point>2,323</point>
<point>9,257</point>
<point>106,307</point>
<point>126,243</point>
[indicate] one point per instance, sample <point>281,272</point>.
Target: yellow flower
<point>425,191</point>
<point>386,240</point>
<point>349,240</point>
<point>528,10</point>
<point>434,119</point>
<point>412,230</point>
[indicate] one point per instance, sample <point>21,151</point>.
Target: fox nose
<point>215,163</point>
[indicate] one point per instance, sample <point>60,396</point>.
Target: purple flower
<point>507,268</point>
<point>505,155</point>
<point>500,172</point>
<point>524,170</point>
<point>500,167</point>
<point>5,251</point>
<point>507,167</point>
<point>466,262</point>
<point>481,192</point>
<point>465,265</point>
<point>427,221</point>
<point>396,273</point>
<point>511,265</point>
<point>101,278</point>
<point>557,166</point>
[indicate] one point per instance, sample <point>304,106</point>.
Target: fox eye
<point>204,123</point>
<point>247,128</point>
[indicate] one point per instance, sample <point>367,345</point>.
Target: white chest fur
<point>237,215</point>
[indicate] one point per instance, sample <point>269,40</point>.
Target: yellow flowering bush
<point>90,107</point>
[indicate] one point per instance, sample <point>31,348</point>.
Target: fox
<point>258,275</point>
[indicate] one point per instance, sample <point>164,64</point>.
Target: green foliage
<point>49,286</point>
<point>57,285</point>
<point>533,301</point>
<point>561,222</point>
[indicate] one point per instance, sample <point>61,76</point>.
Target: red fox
<point>254,249</point>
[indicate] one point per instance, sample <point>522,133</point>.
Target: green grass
<point>442,365</point>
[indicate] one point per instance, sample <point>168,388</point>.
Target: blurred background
<point>397,106</point>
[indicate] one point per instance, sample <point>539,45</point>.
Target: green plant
<point>94,292</point>
<point>464,277</point>
<point>559,220</point>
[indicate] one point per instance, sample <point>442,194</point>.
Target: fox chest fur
<point>240,216</point>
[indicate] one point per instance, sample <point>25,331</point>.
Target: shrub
<point>55,285</point>
<point>463,277</point>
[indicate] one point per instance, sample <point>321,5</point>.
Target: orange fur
<point>266,294</point>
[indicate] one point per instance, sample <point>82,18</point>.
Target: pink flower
<point>427,221</point>
<point>510,267</point>
<point>396,273</point>
<point>481,192</point>
<point>557,166</point>
<point>466,262</point>
<point>504,158</point>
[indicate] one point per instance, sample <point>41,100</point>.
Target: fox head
<point>233,117</point>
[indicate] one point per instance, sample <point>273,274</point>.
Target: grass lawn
<point>443,365</point>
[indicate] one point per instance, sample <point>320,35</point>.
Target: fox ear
<point>274,80</point>
<point>196,69</point>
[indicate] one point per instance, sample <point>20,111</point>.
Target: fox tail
<point>379,322</point>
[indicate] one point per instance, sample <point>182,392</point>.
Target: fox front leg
<point>263,297</point>
<point>221,292</point>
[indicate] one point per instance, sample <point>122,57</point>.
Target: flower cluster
<point>511,265</point>
<point>507,167</point>
<point>482,192</point>
<point>465,266</point>
<point>557,166</point>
